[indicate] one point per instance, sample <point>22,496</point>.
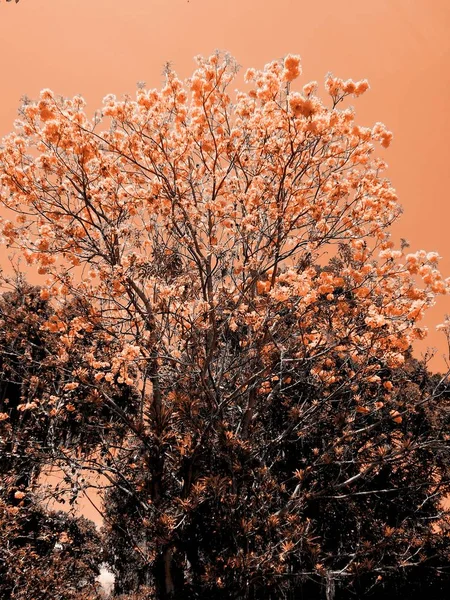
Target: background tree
<point>44,426</point>
<point>233,256</point>
<point>42,420</point>
<point>46,554</point>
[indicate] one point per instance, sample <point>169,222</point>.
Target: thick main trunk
<point>168,578</point>
<point>169,575</point>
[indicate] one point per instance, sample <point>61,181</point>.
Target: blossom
<point>71,386</point>
<point>292,68</point>
<point>301,106</point>
<point>380,133</point>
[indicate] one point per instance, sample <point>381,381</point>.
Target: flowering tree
<point>233,257</point>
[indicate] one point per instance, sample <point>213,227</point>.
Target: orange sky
<point>95,47</point>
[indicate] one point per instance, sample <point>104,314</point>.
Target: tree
<point>43,426</point>
<point>358,511</point>
<point>234,259</point>
<point>42,421</point>
<point>46,554</point>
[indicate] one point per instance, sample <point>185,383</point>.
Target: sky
<point>96,47</point>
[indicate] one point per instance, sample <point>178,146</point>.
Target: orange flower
<point>292,67</point>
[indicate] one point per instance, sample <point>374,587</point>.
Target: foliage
<point>40,427</point>
<point>45,554</point>
<point>230,260</point>
<point>339,497</point>
<point>40,413</point>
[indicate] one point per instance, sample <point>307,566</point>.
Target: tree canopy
<point>228,327</point>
